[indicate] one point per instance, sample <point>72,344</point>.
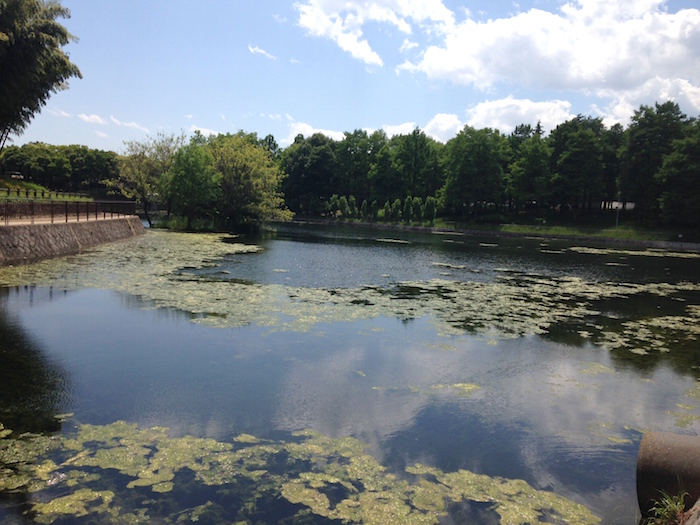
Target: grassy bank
<point>624,234</point>
<point>21,190</point>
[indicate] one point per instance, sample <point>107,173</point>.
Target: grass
<point>668,510</point>
<point>23,186</point>
<point>623,232</point>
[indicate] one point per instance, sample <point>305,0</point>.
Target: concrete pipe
<point>667,463</point>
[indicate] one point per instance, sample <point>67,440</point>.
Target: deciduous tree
<point>250,181</point>
<point>194,182</point>
<point>144,169</point>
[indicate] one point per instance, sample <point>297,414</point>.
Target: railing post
<point>66,211</point>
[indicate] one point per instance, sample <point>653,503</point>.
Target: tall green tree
<point>578,179</point>
<point>529,173</point>
<point>407,209</point>
<point>310,165</point>
<point>679,177</point>
<point>430,209</point>
<point>474,164</point>
<point>520,135</point>
<point>194,182</point>
<point>612,142</point>
<point>250,181</point>
<point>353,161</point>
<point>648,139</point>
<point>417,211</point>
<point>386,182</point>
<point>144,170</point>
<point>32,60</point>
<point>576,163</point>
<point>416,158</point>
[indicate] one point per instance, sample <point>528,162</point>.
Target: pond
<point>337,375</point>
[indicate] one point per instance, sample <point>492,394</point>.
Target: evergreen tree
<point>32,60</point>
<point>408,209</point>
<point>680,179</point>
<point>648,139</point>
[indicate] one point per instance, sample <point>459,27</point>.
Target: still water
<point>321,375</point>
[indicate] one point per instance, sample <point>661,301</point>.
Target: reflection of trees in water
<point>641,347</point>
<point>32,388</point>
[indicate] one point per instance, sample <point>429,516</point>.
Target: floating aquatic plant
<point>329,477</point>
<point>162,267</point>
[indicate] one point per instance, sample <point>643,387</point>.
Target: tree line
<point>482,174</point>
<point>222,181</point>
<point>479,175</point>
<point>61,168</point>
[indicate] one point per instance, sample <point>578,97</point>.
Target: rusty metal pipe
<point>667,463</point>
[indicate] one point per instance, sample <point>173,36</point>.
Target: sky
<point>286,67</point>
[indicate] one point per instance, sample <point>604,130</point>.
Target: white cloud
<point>624,103</point>
<point>60,113</point>
<point>505,114</point>
<point>620,52</point>
<point>101,134</point>
<point>257,51</point>
<point>92,119</point>
<point>443,127</point>
<point>189,117</point>
<point>590,46</point>
<point>132,125</point>
<point>302,128</point>
<point>342,21</point>
<point>400,129</point>
<point>407,46</point>
<point>204,131</point>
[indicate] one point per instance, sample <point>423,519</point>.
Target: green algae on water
<point>163,269</point>
<point>461,389</point>
<point>331,478</point>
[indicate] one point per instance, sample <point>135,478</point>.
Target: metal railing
<point>48,211</point>
<point>22,193</point>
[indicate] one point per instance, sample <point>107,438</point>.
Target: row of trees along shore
<point>482,175</point>
<point>573,174</point>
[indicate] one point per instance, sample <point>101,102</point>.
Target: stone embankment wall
<point>30,242</point>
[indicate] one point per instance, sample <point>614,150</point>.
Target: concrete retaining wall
<point>26,243</point>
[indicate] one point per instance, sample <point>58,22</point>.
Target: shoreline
<point>674,245</point>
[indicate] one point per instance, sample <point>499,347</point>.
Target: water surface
<point>517,359</point>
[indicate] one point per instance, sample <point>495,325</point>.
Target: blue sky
<point>287,67</point>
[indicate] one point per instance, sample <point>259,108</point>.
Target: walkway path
<point>60,220</point>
